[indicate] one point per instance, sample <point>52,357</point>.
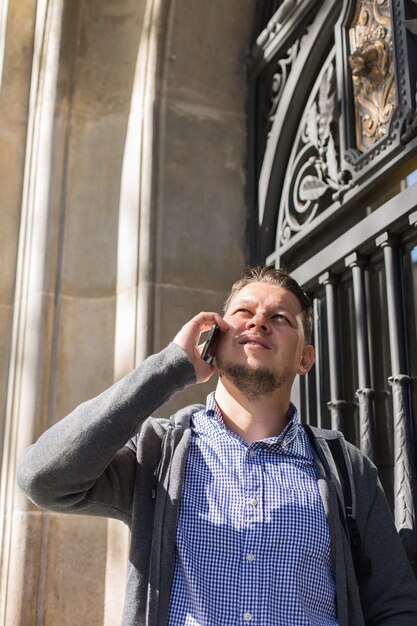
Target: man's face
<point>265,334</point>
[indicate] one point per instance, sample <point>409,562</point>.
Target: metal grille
<point>343,220</point>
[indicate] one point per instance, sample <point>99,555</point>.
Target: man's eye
<point>280,317</point>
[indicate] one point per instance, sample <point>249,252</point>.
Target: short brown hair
<point>280,278</point>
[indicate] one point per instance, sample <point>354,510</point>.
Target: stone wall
<point>122,215</point>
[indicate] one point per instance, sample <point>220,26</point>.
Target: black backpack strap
<point>336,446</point>
<point>362,563</point>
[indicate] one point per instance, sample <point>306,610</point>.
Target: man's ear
<point>307,360</point>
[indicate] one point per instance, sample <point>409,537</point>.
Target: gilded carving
<point>372,67</point>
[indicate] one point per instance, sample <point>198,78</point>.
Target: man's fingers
<point>192,330</point>
<point>204,321</point>
<point>188,339</point>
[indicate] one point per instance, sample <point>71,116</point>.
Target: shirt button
<point>253,501</point>
<point>252,452</point>
<point>250,557</point>
<point>247,617</point>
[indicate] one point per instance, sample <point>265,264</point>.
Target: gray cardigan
<point>108,458</point>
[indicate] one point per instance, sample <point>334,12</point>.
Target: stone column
<point>31,339</point>
<point>17,25</point>
<point>33,307</point>
<point>62,348</point>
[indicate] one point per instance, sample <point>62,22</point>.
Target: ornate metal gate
<point>333,160</point>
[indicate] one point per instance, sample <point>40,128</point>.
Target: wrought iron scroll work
<point>279,80</point>
<point>277,47</point>
<point>280,18</point>
<point>314,179</point>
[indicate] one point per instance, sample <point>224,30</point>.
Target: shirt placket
<point>251,554</point>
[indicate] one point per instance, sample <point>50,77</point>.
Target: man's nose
<point>259,320</point>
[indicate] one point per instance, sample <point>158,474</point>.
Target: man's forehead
<point>271,294</point>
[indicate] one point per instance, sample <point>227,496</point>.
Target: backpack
<point>337,447</point>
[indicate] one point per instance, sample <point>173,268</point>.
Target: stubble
<point>254,383</point>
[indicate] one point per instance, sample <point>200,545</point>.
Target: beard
<point>254,382</point>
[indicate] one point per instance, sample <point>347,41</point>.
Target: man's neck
<point>253,420</point>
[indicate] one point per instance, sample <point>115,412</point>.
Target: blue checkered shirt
<point>252,544</point>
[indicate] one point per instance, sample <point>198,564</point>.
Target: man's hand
<point>188,339</point>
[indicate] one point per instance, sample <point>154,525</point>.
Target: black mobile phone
<point>209,347</point>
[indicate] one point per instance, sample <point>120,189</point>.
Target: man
<point>235,516</point>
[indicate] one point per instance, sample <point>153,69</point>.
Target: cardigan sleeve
<point>82,464</point>
<point>389,593</point>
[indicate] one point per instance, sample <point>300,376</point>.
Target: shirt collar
<point>212,422</point>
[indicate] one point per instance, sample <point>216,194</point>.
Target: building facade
<point>149,150</point>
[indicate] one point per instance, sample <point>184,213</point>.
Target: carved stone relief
<point>372,67</point>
